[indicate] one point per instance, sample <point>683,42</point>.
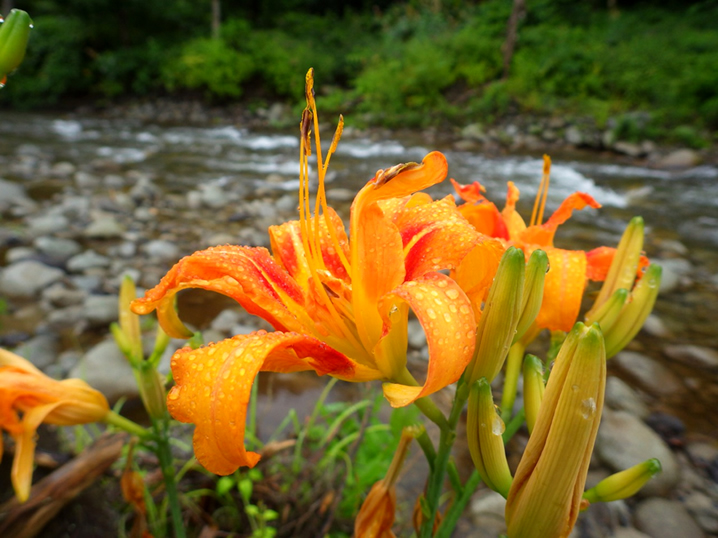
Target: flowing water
<point>680,208</point>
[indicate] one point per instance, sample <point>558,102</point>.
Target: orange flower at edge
<point>339,304</point>
<point>569,269</point>
<point>28,398</point>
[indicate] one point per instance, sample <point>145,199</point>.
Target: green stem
<point>168,473</point>
<point>126,424</point>
<point>425,405</point>
<point>511,380</point>
<point>452,515</point>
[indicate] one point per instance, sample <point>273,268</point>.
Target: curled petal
<point>543,235</point>
<point>214,385</point>
<point>599,262</point>
<point>476,271</point>
<point>514,223</point>
<point>469,193</point>
<point>563,289</point>
<point>448,321</point>
<point>248,275</point>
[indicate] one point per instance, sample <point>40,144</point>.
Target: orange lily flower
<point>26,390</point>
<point>339,303</point>
<point>569,269</point>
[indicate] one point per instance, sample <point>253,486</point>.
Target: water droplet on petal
<point>174,393</point>
<point>452,293</point>
<point>497,426</point>
<point>588,408</point>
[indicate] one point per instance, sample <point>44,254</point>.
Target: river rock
<point>85,180</point>
<point>628,148</point>
<point>27,278</point>
<point>57,250</point>
<point>106,369</point>
<point>88,259</point>
<point>100,310</point>
<point>416,335</point>
<point>225,321</point>
<point>649,374</point>
<point>17,254</point>
<point>681,158</point>
<point>12,194</point>
<point>47,224</point>
<point>676,273</point>
<point>161,250</point>
<point>621,397</point>
<point>60,296</point>
<point>69,317</point>
<point>704,511</point>
<point>661,518</point>
<point>104,227</point>
<point>41,350</point>
<point>696,356</point>
<point>655,327</point>
<point>628,532</point>
<point>624,440</point>
<point>487,513</point>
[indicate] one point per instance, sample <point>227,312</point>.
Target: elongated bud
<point>634,314</point>
<point>624,484</point>
<point>499,317</point>
<point>545,496</point>
<point>624,267</point>
<point>607,314</point>
<point>533,291</point>
<point>484,429</point>
<point>14,34</point>
<point>129,321</point>
<point>534,387</point>
<point>162,340</point>
<point>377,513</point>
<point>152,390</point>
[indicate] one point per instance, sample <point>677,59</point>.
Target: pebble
<point>417,337</point>
<point>704,510</point>
<point>621,397</point>
<point>87,260</point>
<point>59,296</point>
<point>104,227</point>
<point>680,158</point>
<point>675,275</point>
<point>656,327</point>
<point>487,513</point>
<point>41,350</point>
<point>106,369</point>
<point>12,194</point>
<point>628,532</point>
<point>100,310</point>
<point>27,278</point>
<point>696,356</point>
<point>20,253</point>
<point>624,440</point>
<point>46,224</point>
<point>161,250</point>
<point>663,518</point>
<point>649,374</point>
<point>57,250</point>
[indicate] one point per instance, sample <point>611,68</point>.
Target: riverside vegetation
<point>646,71</point>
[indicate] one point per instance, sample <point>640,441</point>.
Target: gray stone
<point>161,250</point>
<point>86,180</point>
<point>17,254</point>
<point>41,350</point>
<point>573,135</point>
<point>124,250</point>
<point>704,510</point>
<point>69,317</point>
<point>225,321</point>
<point>104,227</point>
<point>681,158</point>
<point>702,454</point>
<point>621,397</point>
<point>106,369</point>
<point>487,514</point>
<point>47,224</point>
<point>474,131</point>
<point>628,532</point>
<point>655,327</point>
<point>628,148</point>
<point>59,296</point>
<point>213,196</point>
<point>416,335</point>
<point>697,356</point>
<point>339,194</point>
<point>27,278</point>
<point>624,441</point>
<point>649,374</point>
<point>100,310</point>
<point>87,260</point>
<point>676,273</point>
<point>57,249</point>
<point>661,518</point>
<point>12,194</point>
<point>63,169</point>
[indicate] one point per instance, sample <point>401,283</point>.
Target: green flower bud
<point>14,34</point>
<point>484,430</point>
<point>533,291</point>
<point>607,314</point>
<point>624,484</point>
<point>534,387</point>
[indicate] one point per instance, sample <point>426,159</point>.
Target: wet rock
<point>41,350</point>
<point>624,440</point>
<point>676,273</point>
<point>106,369</point>
<point>87,283</point>
<point>100,310</point>
<point>56,249</point>
<point>573,135</point>
<point>20,253</point>
<point>27,278</point>
<point>696,356</point>
<point>340,195</point>
<point>669,427</point>
<point>124,250</point>
<point>681,158</point>
<point>661,518</point>
<point>87,260</point>
<point>59,296</point>
<point>12,194</point>
<point>649,374</point>
<point>104,227</point>
<point>161,250</point>
<point>655,327</point>
<point>213,196</point>
<point>628,148</point>
<point>47,224</point>
<point>113,181</point>
<point>144,190</point>
<point>63,169</point>
<point>702,454</point>
<point>474,131</point>
<point>621,397</point>
<point>487,514</point>
<point>69,317</point>
<point>703,510</point>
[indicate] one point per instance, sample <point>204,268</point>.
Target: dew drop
<point>447,317</point>
<point>174,393</point>
<point>588,408</point>
<point>574,388</point>
<point>431,313</point>
<point>497,426</point>
<point>452,293</point>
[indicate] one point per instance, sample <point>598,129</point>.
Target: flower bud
<point>499,317</point>
<point>130,342</point>
<point>624,267</point>
<point>624,484</point>
<point>532,292</point>
<point>484,430</point>
<point>634,314</point>
<point>152,390</point>
<point>545,496</point>
<point>608,313</point>
<point>533,389</point>
<point>14,34</point>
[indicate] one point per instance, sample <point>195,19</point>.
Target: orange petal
<point>288,249</point>
<point>476,271</point>
<point>248,275</point>
<point>469,193</point>
<point>563,289</point>
<point>599,262</point>
<point>445,313</point>
<point>514,223</point>
<point>214,384</point>
<point>543,235</point>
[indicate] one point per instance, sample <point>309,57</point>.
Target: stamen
<point>542,194</point>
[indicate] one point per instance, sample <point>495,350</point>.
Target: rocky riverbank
<point>72,228</point>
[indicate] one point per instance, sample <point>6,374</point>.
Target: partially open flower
<point>28,398</point>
